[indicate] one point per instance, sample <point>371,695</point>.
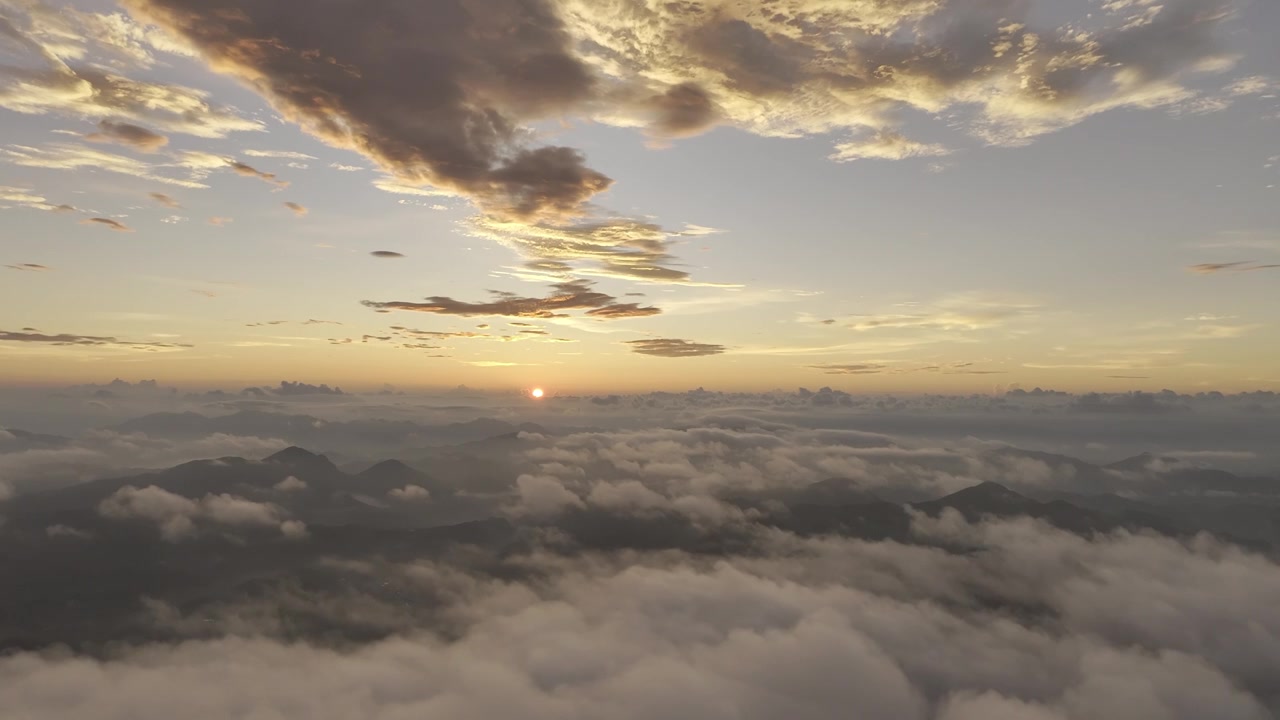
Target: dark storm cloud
<point>576,295</point>
<point>672,348</point>
<point>164,200</point>
<point>433,92</point>
<point>682,110</point>
<point>386,254</point>
<point>91,340</point>
<point>134,136</point>
<point>115,225</point>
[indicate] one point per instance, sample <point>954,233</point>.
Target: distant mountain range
<point>214,532</point>
<point>314,432</point>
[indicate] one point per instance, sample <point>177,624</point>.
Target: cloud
<point>623,310</point>
<point>1240,266</point>
<point>250,171</point>
<point>386,254</point>
<point>621,248</point>
<point>285,154</point>
<point>345,168</point>
<point>413,336</point>
<point>58,74</point>
<point>176,515</point>
<point>768,69</point>
<point>300,388</point>
<point>667,347</point>
<point>862,369</point>
<point>125,134</point>
<point>103,453</point>
<point>1252,85</point>
<point>290,484</point>
<point>452,122</point>
<point>67,156</point>
<point>24,197</point>
<point>576,295</point>
<point>297,209</point>
<point>220,221</point>
<point>681,110</point>
<point>164,200</point>
<point>115,225</point>
<point>66,531</point>
<point>83,340</point>
<point>409,493</point>
<point>29,267</point>
<point>961,312</point>
<point>886,145</point>
<point>802,628</point>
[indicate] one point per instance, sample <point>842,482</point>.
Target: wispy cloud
<point>69,339</point>
<point>577,295</point>
<point>164,200</point>
<point>282,154</point>
<point>57,74</point>
<point>674,348</point>
<point>24,197</point>
<point>134,136</point>
<point>70,156</point>
<point>1229,267</point>
<point>886,145</point>
<point>108,223</point>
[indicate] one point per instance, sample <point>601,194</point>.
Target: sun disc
<point>536,392</point>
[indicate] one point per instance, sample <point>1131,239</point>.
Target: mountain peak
<point>990,489</point>
<point>388,468</point>
<point>1138,462</point>
<point>986,494</point>
<point>294,455</point>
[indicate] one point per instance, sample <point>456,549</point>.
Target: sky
<point>619,195</point>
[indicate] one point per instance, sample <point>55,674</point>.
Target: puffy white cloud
<point>175,515</point>
<point>290,484</point>
<point>101,452</point>
<point>410,493</point>
<point>806,629</point>
<point>542,496</point>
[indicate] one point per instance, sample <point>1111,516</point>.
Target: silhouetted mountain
<point>1137,463</point>
<point>835,491</point>
<point>391,474</point>
<point>302,461</point>
<point>305,430</point>
<point>13,439</point>
<point>988,498</point>
<point>167,424</point>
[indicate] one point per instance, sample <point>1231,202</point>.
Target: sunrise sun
<point>536,393</point>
